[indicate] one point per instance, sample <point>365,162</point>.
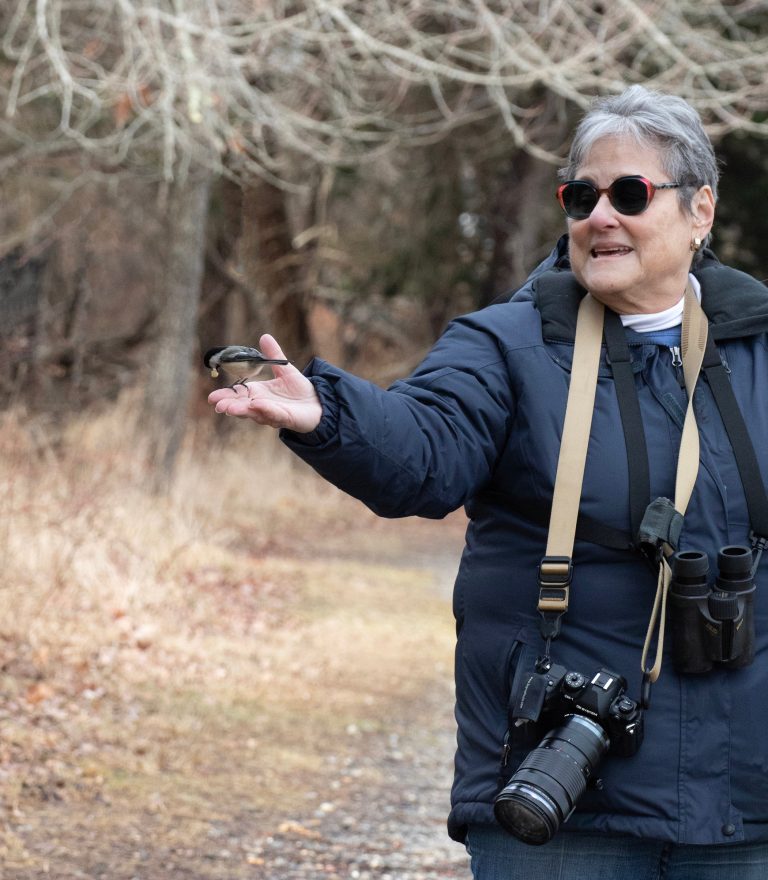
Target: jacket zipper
<point>677,363</point>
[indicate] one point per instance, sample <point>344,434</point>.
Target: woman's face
<point>635,263</point>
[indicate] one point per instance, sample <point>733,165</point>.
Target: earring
<point>695,244</point>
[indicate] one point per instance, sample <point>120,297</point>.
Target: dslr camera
<point>586,717</point>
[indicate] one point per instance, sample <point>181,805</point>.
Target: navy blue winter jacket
<point>478,424</point>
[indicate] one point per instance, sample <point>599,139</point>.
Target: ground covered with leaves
<point>247,678</point>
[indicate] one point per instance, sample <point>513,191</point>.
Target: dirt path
<point>390,829</point>
<point>384,818</point>
<point>102,779</point>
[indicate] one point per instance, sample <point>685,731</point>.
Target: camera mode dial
<point>575,681</point>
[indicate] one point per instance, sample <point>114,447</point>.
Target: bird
<point>238,361</point>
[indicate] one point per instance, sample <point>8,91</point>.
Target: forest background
<point>347,174</point>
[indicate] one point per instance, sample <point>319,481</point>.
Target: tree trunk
<point>164,416</point>
<point>518,217</point>
<point>271,262</point>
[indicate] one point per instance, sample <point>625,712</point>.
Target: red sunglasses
<point>628,195</point>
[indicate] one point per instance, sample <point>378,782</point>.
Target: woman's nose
<point>604,214</point>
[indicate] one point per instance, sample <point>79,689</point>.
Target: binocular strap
<point>693,344</point>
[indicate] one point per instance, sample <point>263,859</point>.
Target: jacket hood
<point>735,303</point>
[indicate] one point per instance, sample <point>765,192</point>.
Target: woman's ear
<point>703,211</point>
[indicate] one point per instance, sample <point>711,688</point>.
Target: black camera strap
<point>631,419</point>
<point>743,449</point>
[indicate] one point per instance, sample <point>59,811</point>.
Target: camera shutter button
<point>625,706</point>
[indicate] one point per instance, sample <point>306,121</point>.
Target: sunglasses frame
<point>650,192</point>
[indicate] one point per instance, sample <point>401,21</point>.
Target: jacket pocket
<point>518,741</point>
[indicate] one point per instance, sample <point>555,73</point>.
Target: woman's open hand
<point>288,400</point>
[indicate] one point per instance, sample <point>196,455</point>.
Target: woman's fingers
<point>301,415</point>
<point>288,400</point>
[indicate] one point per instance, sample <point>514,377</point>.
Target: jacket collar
<point>735,303</point>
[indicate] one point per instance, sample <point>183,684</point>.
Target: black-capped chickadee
<point>239,361</point>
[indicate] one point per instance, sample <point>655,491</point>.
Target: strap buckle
<point>555,573</point>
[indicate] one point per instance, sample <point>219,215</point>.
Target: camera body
<point>712,623</point>
<point>602,699</point>
<point>586,718</point>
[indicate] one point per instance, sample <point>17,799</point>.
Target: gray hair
<point>665,123</point>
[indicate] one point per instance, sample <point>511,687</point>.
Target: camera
<point>586,717</point>
<point>712,623</point>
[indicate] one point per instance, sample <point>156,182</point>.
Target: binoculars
<point>712,623</point>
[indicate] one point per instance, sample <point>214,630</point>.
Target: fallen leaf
<point>291,827</point>
<point>38,692</point>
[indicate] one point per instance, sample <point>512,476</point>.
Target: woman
<point>479,423</point>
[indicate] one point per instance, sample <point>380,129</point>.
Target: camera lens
<point>546,786</point>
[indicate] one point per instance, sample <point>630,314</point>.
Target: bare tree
<point>236,84</point>
<point>164,415</point>
<point>259,90</point>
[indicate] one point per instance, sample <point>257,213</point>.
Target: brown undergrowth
<point>170,663</point>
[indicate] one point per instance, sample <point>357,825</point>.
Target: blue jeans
<point>496,855</point>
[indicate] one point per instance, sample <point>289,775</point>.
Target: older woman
<point>480,424</point>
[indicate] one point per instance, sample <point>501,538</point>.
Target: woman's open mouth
<point>618,251</point>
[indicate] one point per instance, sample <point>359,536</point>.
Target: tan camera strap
<point>573,447</point>
<point>556,567</point>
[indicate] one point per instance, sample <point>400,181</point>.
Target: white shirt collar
<point>649,322</point>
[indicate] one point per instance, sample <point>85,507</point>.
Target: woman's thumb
<point>269,347</point>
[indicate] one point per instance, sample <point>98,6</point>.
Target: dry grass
<point>195,654</point>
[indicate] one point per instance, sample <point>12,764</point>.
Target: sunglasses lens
<point>579,199</point>
<point>629,195</point>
